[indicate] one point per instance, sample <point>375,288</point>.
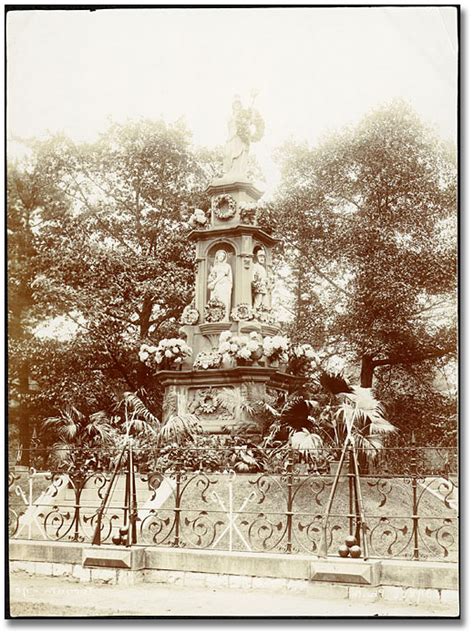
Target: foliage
<point>97,242</point>
<point>370,213</point>
<point>180,427</point>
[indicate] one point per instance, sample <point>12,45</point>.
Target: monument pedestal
<point>216,396</point>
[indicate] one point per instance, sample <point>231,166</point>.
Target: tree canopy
<point>368,218</point>
<point>96,239</point>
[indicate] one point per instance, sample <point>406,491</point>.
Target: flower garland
<point>169,353</point>
<point>276,348</point>
<point>198,219</point>
<point>250,125</point>
<point>208,360</point>
<point>244,349</point>
<point>190,315</point>
<point>242,312</point>
<point>224,206</point>
<point>214,311</point>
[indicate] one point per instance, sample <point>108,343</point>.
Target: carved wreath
<point>208,402</point>
<point>224,206</point>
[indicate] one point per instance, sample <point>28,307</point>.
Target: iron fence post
<point>350,481</point>
<point>177,508</point>
<point>77,509</point>
<point>414,484</point>
<point>289,503</point>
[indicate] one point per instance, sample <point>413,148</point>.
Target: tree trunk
<point>367,371</point>
<point>145,316</point>
<point>24,428</point>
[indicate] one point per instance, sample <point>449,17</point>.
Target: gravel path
<point>46,596</point>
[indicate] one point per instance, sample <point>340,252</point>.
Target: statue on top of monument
<point>245,126</point>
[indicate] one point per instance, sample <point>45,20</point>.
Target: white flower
<point>225,336</point>
<point>143,356</point>
<point>244,353</point>
<point>253,346</point>
<point>224,347</point>
<point>168,354</point>
<point>158,358</point>
<point>234,347</point>
<point>175,349</point>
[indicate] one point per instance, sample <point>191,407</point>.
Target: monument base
<point>217,396</point>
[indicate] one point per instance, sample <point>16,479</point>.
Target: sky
<point>315,70</point>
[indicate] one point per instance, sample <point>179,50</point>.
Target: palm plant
<point>359,416</point>
<point>77,439</point>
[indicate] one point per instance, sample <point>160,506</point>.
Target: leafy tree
<point>34,202</point>
<point>108,255</point>
<point>369,219</point>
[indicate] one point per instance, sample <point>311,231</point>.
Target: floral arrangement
<point>276,348</point>
<point>250,125</point>
<point>249,212</point>
<point>224,206</point>
<point>244,349</point>
<point>198,219</point>
<point>169,353</point>
<point>208,360</point>
<point>264,315</point>
<point>242,312</point>
<point>214,311</point>
<point>302,359</point>
<point>190,315</point>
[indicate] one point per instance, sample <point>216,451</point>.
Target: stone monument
<point>233,298</point>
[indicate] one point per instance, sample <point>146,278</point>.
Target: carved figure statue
<point>261,282</point>
<point>245,126</point>
<point>220,281</point>
<point>237,149</point>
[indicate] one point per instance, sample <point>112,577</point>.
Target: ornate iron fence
<point>409,512</point>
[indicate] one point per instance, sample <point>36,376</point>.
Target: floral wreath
<point>250,125</point>
<point>224,206</point>
<point>190,315</point>
<point>214,311</point>
<point>208,403</point>
<point>248,213</point>
<point>265,315</point>
<point>242,312</point>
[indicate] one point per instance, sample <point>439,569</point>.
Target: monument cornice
<point>230,231</point>
<point>223,186</point>
<point>270,376</point>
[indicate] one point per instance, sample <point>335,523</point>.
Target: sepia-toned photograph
<point>232,311</point>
